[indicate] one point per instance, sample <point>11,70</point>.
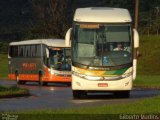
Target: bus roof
<point>48,42</point>
<point>102,15</point>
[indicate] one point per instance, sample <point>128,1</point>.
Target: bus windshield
<point>98,45</point>
<point>60,58</point>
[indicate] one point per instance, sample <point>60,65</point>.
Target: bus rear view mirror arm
<point>68,37</point>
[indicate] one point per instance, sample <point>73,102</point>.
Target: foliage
<point>30,19</point>
<point>3,66</point>
<point>149,17</point>
<point>147,81</point>
<point>3,47</point>
<point>148,62</point>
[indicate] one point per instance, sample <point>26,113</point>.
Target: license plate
<point>102,84</point>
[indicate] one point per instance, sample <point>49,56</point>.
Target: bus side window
<point>38,50</point>
<point>21,51</point>
<point>13,51</point>
<point>32,51</point>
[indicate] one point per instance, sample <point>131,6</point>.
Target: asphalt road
<point>58,96</point>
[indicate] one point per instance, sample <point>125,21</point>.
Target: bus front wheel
<point>18,81</point>
<point>79,94</point>
<point>41,82</point>
<point>122,94</point>
<point>17,78</point>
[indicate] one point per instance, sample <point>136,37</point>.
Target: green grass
<point>3,66</point>
<point>147,81</point>
<point>149,62</point>
<point>148,68</point>
<point>13,91</point>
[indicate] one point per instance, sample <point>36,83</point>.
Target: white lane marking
<point>84,101</point>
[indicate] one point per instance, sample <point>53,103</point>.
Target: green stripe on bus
<point>116,72</point>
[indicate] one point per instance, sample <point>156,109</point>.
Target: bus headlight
<point>94,78</point>
<point>126,75</point>
<point>78,74</point>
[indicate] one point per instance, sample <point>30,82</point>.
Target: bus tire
<point>41,83</point>
<point>45,83</point>
<point>77,94</point>
<point>122,94</point>
<point>19,82</point>
<point>69,84</point>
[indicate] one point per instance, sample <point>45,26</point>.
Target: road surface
<point>58,96</point>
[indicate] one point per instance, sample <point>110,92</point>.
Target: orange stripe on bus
<point>57,78</point>
<point>11,76</point>
<point>28,77</point>
<point>35,77</point>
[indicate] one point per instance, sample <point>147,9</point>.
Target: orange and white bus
<point>40,60</point>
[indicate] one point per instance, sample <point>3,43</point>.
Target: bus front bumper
<point>101,85</point>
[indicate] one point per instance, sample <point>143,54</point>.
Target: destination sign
<point>89,26</point>
<point>56,48</point>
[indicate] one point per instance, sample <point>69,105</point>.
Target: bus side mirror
<point>136,38</point>
<point>47,52</point>
<point>47,59</point>
<point>68,37</point>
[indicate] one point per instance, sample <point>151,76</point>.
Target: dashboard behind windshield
<point>60,58</point>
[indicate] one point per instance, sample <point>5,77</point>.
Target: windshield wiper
<point>80,65</point>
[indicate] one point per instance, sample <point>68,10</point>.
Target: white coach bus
<point>104,51</point>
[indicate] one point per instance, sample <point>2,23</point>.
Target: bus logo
<point>28,66</point>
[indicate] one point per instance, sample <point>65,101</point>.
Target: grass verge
<point>147,81</point>
<point>3,66</point>
<point>14,91</point>
<point>148,63</point>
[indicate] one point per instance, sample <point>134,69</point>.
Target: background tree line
<point>32,19</point>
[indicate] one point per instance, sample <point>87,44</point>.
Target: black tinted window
<point>25,51</point>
